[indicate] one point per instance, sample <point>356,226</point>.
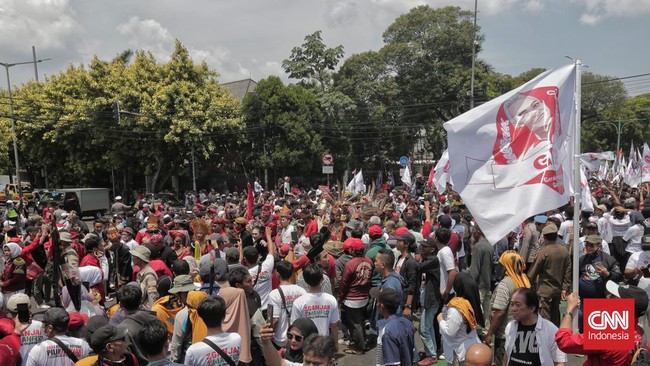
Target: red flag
<point>432,173</point>
<point>250,203</point>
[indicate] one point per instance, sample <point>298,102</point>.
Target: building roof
<point>240,88</point>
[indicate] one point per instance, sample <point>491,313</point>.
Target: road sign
<point>328,159</point>
<point>403,161</point>
<point>328,169</point>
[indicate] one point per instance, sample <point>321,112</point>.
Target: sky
<point>250,38</point>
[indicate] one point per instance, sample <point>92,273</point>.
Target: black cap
<point>407,238</point>
<point>428,242</point>
<point>107,334</point>
<point>630,292</point>
<point>387,296</point>
<point>57,317</point>
<point>445,221</point>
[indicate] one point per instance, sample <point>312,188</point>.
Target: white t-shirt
<point>320,307</point>
<point>264,284</point>
<point>565,230</point>
<point>32,336</point>
<point>48,353</point>
<point>633,238</point>
<point>291,293</point>
<point>200,354</point>
<point>286,234</point>
<point>619,227</point>
<point>446,259</point>
<point>640,259</point>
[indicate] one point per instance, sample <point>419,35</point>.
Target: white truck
<point>91,201</point>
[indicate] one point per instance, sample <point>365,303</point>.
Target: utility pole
<point>471,87</point>
<point>13,118</point>
<point>193,172</point>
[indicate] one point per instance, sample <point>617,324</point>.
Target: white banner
<point>512,157</point>
<point>645,166</point>
<point>441,175</point>
<point>356,185</point>
<point>591,161</point>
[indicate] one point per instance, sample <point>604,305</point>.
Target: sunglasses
<point>297,337</point>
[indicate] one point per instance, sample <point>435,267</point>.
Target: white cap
<point>10,201</point>
<point>118,198</point>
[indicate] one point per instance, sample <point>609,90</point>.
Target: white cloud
<point>341,12</point>
<point>222,61</point>
<point>48,24</point>
<point>148,34</point>
<point>597,10</point>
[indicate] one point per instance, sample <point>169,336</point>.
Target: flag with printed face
<point>591,161</point>
<point>512,157</point>
<point>441,175</point>
<point>645,164</point>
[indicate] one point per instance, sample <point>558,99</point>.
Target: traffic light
<point>116,111</point>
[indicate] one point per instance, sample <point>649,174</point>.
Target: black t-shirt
<point>525,351</point>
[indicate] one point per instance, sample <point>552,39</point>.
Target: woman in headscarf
<point>179,242</point>
<point>13,276</point>
<point>296,335</point>
<point>194,267</point>
<point>458,325</point>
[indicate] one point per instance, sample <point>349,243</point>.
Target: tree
<point>313,62</point>
<point>602,100</point>
<point>423,77</point>
<point>68,123</point>
<point>281,123</point>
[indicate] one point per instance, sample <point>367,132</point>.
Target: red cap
<point>77,320</point>
<point>285,249</point>
<point>353,244</point>
<point>401,231</point>
<point>375,230</point>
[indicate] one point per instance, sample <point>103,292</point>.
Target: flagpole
<point>576,182</point>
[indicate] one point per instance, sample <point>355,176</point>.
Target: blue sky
<point>245,38</point>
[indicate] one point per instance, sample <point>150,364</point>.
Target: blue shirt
<point>398,341</point>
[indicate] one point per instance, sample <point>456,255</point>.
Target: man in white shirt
<point>31,336</point>
<point>212,311</point>
<point>261,272</point>
<point>49,352</point>
<point>316,305</point>
<point>282,300</point>
<point>447,266</point>
<point>566,227</point>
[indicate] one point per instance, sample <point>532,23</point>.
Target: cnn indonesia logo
<point>609,324</point>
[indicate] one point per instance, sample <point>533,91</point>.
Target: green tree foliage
<point>417,81</point>
<point>69,123</point>
<point>281,123</point>
<point>602,100</point>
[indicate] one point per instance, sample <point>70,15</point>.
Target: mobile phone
<point>23,313</point>
<point>599,264</point>
<point>269,314</point>
<point>294,236</point>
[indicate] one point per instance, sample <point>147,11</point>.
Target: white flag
<point>441,175</point>
<point>512,157</point>
<point>356,185</point>
<point>632,173</point>
<point>587,199</point>
<point>591,161</point>
<point>406,177</point>
<point>645,166</point>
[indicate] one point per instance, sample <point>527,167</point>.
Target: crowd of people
<point>304,277</point>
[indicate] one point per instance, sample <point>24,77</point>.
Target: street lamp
<point>13,120</point>
<point>618,126</point>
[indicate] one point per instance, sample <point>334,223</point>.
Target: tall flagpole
<point>576,182</point>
